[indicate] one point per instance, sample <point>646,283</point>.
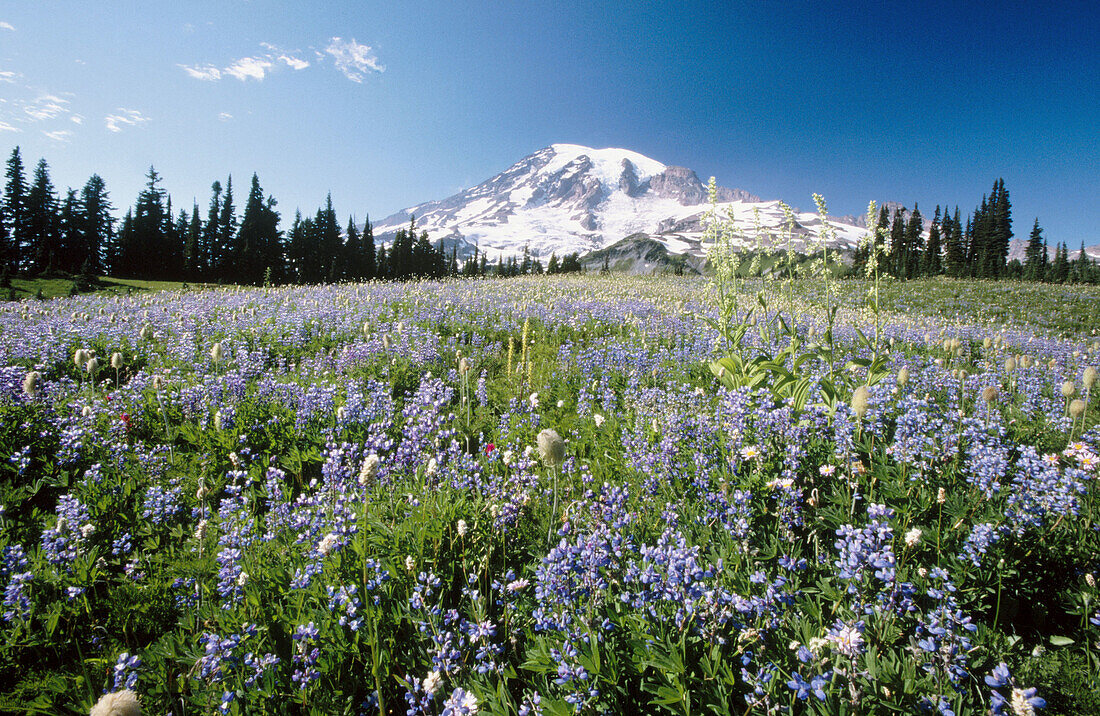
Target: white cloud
<point>295,63</point>
<point>9,77</point>
<point>210,73</point>
<point>77,119</point>
<point>59,135</point>
<point>249,68</point>
<point>45,106</point>
<point>6,26</point>
<point>352,59</point>
<point>224,116</point>
<point>125,117</point>
<point>5,127</point>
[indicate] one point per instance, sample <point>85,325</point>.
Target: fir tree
<point>43,238</point>
<point>206,258</point>
<point>226,231</point>
<point>932,264</point>
<point>98,222</point>
<point>1035,254</point>
<point>370,255</point>
<point>14,216</point>
<point>72,245</point>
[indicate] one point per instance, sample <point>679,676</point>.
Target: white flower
<point>912,537</point>
<point>517,585</point>
<point>327,543</point>
<point>432,682</point>
<point>218,420</point>
<point>750,452</point>
<point>461,526</point>
<point>369,469</point>
<point>533,399</point>
<point>242,579</point>
<point>410,563</point>
<point>598,420</point>
<point>87,530</point>
<point>120,703</point>
<point>561,403</point>
<point>432,468</point>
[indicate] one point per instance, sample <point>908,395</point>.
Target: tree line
<point>40,233</point>
<point>979,249</point>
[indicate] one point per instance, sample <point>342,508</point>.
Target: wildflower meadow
<point>553,495</point>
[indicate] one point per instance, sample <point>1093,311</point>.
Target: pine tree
<point>72,245</point>
<point>911,257</point>
<point>226,231</point>
<point>353,250</point>
<point>370,257</point>
<point>13,212</point>
<point>256,247</point>
<point>328,245</point>
<point>1035,254</point>
<point>43,238</point>
<point>1000,227</point>
<point>192,246</point>
<point>932,264</point>
<point>98,222</point>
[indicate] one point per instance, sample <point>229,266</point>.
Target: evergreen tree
<point>192,246</point>
<point>206,258</point>
<point>147,250</point>
<point>72,245</point>
<point>1000,227</point>
<point>932,264</point>
<point>370,257</point>
<point>552,266</point>
<point>353,249</point>
<point>1035,254</point>
<point>327,243</point>
<point>256,247</point>
<point>14,215</point>
<point>98,222</point>
<point>1059,269</point>
<point>897,242</point>
<point>226,231</point>
<point>913,245</point>
<point>43,236</point>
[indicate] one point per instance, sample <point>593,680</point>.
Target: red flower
<point>125,419</point>
<point>489,448</point>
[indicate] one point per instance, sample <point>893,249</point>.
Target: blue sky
<point>389,104</point>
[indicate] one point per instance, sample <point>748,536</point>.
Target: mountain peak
<point>569,198</point>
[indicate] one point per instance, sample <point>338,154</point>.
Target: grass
<point>57,285</point>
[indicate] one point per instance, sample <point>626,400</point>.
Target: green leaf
<point>1056,640</point>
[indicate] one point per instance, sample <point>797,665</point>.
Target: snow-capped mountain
<point>567,198</point>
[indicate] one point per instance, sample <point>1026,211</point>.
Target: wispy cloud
<point>294,63</point>
<point>9,77</point>
<point>250,68</point>
<point>45,106</point>
<point>224,116</point>
<point>5,127</point>
<point>124,118</point>
<point>59,135</point>
<point>6,26</point>
<point>210,73</point>
<point>77,119</point>
<point>353,59</point>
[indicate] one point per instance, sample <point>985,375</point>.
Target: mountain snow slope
<point>567,198</point>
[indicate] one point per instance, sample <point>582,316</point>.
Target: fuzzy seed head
<point>1076,408</point>
<point>81,358</point>
<point>1088,379</point>
<point>859,401</point>
<point>551,447</point>
<point>1010,364</point>
<point>30,383</point>
<point>1068,389</point>
<point>116,361</point>
<point>216,352</point>
<point>93,366</point>
<point>989,393</point>
<point>903,376</point>
<point>120,703</point>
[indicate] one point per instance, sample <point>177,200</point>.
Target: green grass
<point>54,286</point>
